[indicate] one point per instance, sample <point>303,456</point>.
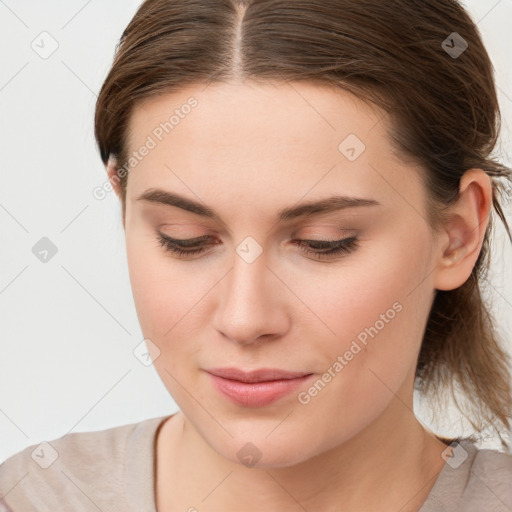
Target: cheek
<point>160,291</point>
<point>351,296</point>
<point>170,297</point>
<point>373,312</point>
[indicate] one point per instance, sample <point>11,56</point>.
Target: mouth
<point>256,388</point>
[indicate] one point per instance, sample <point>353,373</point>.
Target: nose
<point>251,302</point>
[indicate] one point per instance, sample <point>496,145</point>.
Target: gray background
<point>68,327</point>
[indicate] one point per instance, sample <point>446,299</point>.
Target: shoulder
<point>473,479</point>
<point>489,485</point>
<point>80,469</point>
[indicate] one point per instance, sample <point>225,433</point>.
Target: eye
<point>183,248</point>
<point>317,248</point>
<point>331,248</point>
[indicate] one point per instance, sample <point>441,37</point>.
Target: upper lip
<point>258,375</point>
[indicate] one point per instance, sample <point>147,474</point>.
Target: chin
<point>257,451</point>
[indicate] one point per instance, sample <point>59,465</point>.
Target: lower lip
<point>256,394</point>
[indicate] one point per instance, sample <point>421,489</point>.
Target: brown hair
<point>395,54</point>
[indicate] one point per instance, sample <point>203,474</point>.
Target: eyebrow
<point>322,206</point>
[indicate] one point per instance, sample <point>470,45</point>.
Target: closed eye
<point>317,248</point>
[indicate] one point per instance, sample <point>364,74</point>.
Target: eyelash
<point>335,247</point>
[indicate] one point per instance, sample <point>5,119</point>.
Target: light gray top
<point>113,470</point>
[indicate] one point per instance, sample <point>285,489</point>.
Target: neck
<point>390,465</point>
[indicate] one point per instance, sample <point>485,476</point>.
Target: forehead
<point>270,113</point>
<point>273,139</point>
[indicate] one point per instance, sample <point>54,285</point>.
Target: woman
<point>307,193</point>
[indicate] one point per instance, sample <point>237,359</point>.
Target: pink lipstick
<point>256,388</point>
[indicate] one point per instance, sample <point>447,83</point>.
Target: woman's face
<point>254,159</point>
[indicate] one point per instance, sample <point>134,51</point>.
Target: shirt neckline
<point>140,465</point>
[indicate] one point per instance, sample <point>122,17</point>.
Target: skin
<point>248,151</point>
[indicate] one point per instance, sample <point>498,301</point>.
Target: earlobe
<point>113,176</point>
<point>466,229</point>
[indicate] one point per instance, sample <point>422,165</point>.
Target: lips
<point>256,388</point>
<point>259,375</point>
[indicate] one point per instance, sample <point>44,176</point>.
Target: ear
<point>113,176</point>
<point>464,231</point>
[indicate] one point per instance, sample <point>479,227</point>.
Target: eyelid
<point>324,251</point>
<point>330,233</point>
<point>188,240</point>
<point>322,237</point>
